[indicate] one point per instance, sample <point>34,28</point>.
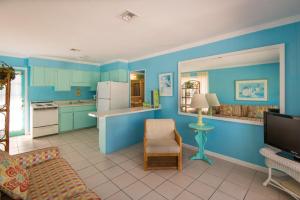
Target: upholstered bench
<point>41,175</point>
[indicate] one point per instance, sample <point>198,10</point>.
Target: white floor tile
<point>106,189</point>
<point>119,196</point>
<point>202,190</point>
<point>168,190</point>
<point>137,190</point>
<point>106,164</point>
<point>113,172</point>
<point>218,195</point>
<point>153,196</point>
<point>181,180</point>
<point>233,190</point>
<point>95,180</point>
<point>152,180</point>
<point>124,180</point>
<point>185,195</point>
<point>210,180</point>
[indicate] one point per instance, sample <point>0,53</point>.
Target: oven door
<point>45,117</point>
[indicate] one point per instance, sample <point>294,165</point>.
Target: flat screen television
<point>283,132</point>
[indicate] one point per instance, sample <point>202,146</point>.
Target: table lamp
<point>199,102</point>
<point>212,100</point>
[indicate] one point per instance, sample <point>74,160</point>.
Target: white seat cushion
<point>162,146</point>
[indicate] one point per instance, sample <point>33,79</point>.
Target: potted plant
<point>6,69</point>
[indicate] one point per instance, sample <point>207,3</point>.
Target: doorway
<point>137,88</point>
<point>17,109</point>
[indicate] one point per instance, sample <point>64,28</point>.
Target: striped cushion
<point>55,180</point>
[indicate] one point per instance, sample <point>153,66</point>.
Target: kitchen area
<point>103,100</point>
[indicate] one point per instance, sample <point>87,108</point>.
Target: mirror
<point>137,88</point>
<point>240,85</point>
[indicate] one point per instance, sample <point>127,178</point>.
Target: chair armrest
<point>35,157</point>
<point>178,138</point>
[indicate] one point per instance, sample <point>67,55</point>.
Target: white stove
<point>43,118</point>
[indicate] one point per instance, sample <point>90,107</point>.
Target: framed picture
<point>166,84</point>
<point>251,90</point>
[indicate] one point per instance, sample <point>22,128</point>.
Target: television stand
<point>288,155</point>
<point>289,167</point>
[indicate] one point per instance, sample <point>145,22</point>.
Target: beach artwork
<point>166,84</point>
<point>251,90</point>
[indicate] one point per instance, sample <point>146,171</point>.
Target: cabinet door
<point>123,75</point>
<point>95,78</point>
<point>37,76</point>
<point>50,77</point>
<point>63,80</point>
<point>104,76</point>
<point>66,121</point>
<point>80,78</point>
<point>114,75</point>
<point>82,120</point>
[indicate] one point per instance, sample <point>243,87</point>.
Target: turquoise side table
<point>201,139</point>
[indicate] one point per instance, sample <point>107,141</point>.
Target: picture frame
<point>251,90</point>
<point>165,84</point>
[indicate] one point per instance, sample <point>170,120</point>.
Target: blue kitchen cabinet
<point>66,121</point>
<point>63,80</point>
<point>76,117</point>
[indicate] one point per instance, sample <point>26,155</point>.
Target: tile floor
<point>120,176</point>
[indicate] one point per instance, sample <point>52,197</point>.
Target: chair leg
<point>145,162</point>
<point>179,161</point>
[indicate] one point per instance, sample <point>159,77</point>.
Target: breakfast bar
<point>121,128</point>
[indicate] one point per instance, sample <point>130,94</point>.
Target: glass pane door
<point>17,117</point>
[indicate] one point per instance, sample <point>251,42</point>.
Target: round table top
<point>205,127</point>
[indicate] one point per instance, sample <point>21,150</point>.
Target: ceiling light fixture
<point>128,16</point>
<point>74,50</point>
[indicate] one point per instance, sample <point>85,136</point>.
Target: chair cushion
<point>162,146</point>
<point>14,179</point>
<point>54,179</point>
<point>160,128</point>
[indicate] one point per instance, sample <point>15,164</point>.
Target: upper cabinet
<point>64,79</point>
<point>118,75</point>
<point>37,76</point>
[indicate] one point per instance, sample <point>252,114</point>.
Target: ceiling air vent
<point>128,16</point>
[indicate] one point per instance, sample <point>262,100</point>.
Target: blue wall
<point>241,141</point>
<point>114,66</point>
<point>222,82</point>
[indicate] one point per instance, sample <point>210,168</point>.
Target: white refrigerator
<point>112,95</point>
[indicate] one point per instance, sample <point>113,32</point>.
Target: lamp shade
<point>199,101</point>
<point>212,99</point>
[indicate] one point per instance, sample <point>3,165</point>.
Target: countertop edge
<point>95,114</point>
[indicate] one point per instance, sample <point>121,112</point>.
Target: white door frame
<point>129,81</point>
<point>26,106</point>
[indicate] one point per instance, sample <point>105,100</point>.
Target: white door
<point>103,105</point>
<point>103,90</point>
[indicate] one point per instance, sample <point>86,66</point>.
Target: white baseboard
<point>230,159</point>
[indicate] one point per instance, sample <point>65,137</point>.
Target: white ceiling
<point>51,27</point>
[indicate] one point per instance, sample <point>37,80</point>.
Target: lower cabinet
<point>66,121</point>
<point>76,117</point>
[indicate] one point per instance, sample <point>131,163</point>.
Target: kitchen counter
<point>124,111</point>
<point>75,103</point>
<point>121,128</point>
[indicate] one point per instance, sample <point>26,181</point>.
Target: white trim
<point>282,77</point>
<point>241,121</point>
<point>26,108</point>
<point>230,159</point>
<point>281,49</point>
<point>113,61</point>
<point>66,60</point>
<point>277,23</point>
